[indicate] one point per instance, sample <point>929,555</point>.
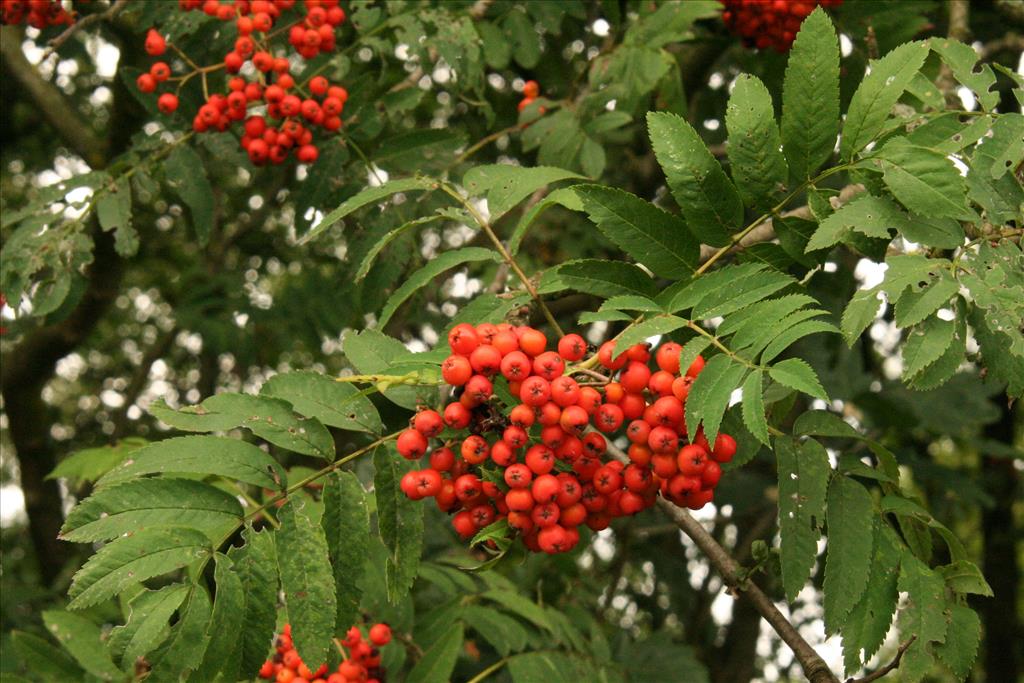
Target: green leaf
<point>960,648</point>
<point>378,245</point>
<point>43,658</point>
<point>942,233</point>
<point>337,404</point>
<point>366,197</point>
<point>650,659</point>
<point>867,214</point>
<point>600,278</point>
<point>823,423</point>
<point>849,516</point>
<point>229,458</point>
<point>689,293</point>
<point>630,302</point>
<point>188,640</point>
<point>505,185</point>
<point>859,314</point>
<point>273,420</point>
<point>83,640</point>
<point>877,93</point>
<point>795,333</point>
<point>710,394</point>
<point>652,236</point>
<point>565,196</point>
<point>517,604</point>
<point>256,566</point>
<point>803,481</point>
<point>399,521</point>
<point>420,150</point>
<point>186,175</point>
<point>797,374</point>
<point>438,662</point>
<point>525,40</point>
<point>90,464</point>
<point>306,580</point>
<point>434,267</point>
<point>707,197</point>
<point>753,406</point>
<point>223,652</point>
<point>924,616</point>
<point>742,291</point>
<point>925,344</point>
<point>924,180</point>
<point>346,524</point>
<point>754,146</point>
<point>810,96</point>
<point>143,555</point>
<point>868,623</point>
<point>963,576</point>
<point>504,633</point>
<point>147,623</point>
<point>134,505</point>
<point>652,327</point>
<point>917,304</point>
<point>114,211</point>
<point>372,352</point>
<point>963,62</point>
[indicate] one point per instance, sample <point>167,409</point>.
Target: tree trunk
<point>1003,637</point>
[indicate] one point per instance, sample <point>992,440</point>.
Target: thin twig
<point>508,258</point>
<point>875,675</point>
<point>106,15</point>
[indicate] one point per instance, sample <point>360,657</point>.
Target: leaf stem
<point>313,477</point>
<point>738,237</point>
<point>509,259</point>
<point>488,671</point>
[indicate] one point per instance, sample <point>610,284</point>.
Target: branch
<point>815,668</point>
<point>140,380</point>
<point>764,231</point>
<point>110,13</point>
<point>875,675</point>
<point>50,102</point>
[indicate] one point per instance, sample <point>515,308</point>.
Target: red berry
<point>411,444</point>
<point>155,43</point>
<point>572,348</point>
<point>167,103</point>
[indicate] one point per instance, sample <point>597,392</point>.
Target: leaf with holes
<point>505,185</point>
<point>399,521</point>
<point>754,146</point>
<point>346,524</point>
<point>867,214</point>
<point>876,95</point>
<point>849,516</point>
<point>131,559</point>
<point>134,505</point>
<point>925,181</point>
<point>803,482</point>
<point>336,404</point>
<point>306,580</point>
<point>229,458</point>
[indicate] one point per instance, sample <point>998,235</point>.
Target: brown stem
<point>82,23</point>
<point>51,104</point>
<point>875,675</point>
<point>814,667</point>
<point>505,255</point>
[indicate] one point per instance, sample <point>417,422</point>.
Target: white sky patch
<point>845,45</point>
<point>601,28</point>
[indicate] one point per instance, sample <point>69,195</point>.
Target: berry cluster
<point>537,463</point>
<point>769,23</point>
<point>37,13</point>
<point>531,91</point>
<point>289,113</point>
<point>361,665</point>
